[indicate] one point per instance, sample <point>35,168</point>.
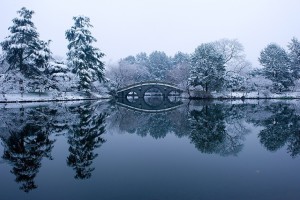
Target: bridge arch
<point>141,88</point>
<point>141,102</point>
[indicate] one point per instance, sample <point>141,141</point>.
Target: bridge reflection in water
<point>150,97</point>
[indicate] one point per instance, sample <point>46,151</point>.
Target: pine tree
<point>60,76</point>
<point>142,59</point>
<point>294,56</point>
<point>234,81</point>
<point>159,64</point>
<point>83,58</point>
<point>207,68</point>
<point>180,59</point>
<point>276,67</point>
<point>23,50</point>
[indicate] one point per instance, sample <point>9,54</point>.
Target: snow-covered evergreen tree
<point>83,58</point>
<point>207,68</point>
<point>142,59</point>
<point>159,64</point>
<point>23,50</point>
<point>234,81</point>
<point>129,59</point>
<point>294,55</point>
<point>276,67</point>
<point>60,75</point>
<point>180,58</point>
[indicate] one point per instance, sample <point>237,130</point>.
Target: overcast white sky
<point>127,27</point>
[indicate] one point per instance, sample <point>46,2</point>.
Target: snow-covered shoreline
<point>243,95</point>
<point>49,97</point>
<point>79,96</point>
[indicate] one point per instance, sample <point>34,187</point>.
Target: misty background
<point>125,28</point>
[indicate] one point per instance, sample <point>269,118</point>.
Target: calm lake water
<point>200,150</point>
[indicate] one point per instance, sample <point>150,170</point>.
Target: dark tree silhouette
<point>209,132</point>
<point>208,129</point>
<point>84,138</point>
<point>26,148</point>
<point>282,128</point>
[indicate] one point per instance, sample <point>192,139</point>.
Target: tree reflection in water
<point>281,128</point>
<point>157,125</point>
<point>212,127</point>
<point>208,129</point>
<point>26,138</point>
<point>219,127</point>
<point>84,137</point>
<point>25,148</point>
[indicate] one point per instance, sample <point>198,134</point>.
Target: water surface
<point>201,150</point>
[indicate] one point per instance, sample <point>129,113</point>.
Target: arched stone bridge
<point>139,89</point>
<point>133,97</point>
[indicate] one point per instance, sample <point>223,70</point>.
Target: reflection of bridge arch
<point>142,106</point>
<point>140,102</point>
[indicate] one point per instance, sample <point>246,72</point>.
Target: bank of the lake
<point>81,96</point>
<point>48,97</point>
<point>243,95</point>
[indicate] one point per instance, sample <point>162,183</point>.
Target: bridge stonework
<point>138,101</point>
<point>141,88</point>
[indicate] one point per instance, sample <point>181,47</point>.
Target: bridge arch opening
<point>174,96</point>
<point>153,91</point>
<point>132,97</point>
<point>153,97</point>
<point>174,93</point>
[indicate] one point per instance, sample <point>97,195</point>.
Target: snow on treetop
<point>42,53</point>
<point>26,27</point>
<point>18,46</point>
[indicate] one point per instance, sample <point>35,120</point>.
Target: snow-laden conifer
<point>207,68</point>
<point>83,58</point>
<point>23,50</point>
<point>294,55</point>
<point>276,67</point>
<point>159,64</point>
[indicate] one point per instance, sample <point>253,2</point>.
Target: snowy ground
<point>264,94</point>
<point>261,94</point>
<point>69,96</point>
<point>43,97</point>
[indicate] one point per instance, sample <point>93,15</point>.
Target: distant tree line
<point>215,66</point>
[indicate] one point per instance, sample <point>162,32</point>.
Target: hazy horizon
<point>125,28</point>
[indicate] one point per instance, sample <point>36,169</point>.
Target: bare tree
<point>233,54</point>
